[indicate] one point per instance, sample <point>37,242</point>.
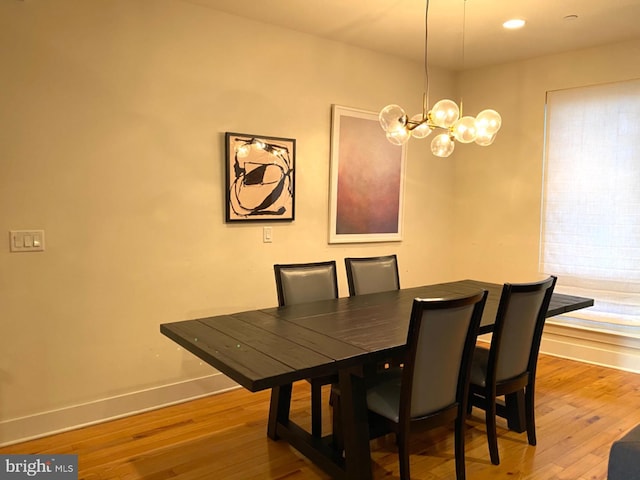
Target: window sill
<point>613,346</point>
<point>605,328</point>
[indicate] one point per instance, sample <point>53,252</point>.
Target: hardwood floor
<point>581,409</point>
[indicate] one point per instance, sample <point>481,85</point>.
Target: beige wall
<point>113,115</point>
<point>113,118</point>
<point>498,189</point>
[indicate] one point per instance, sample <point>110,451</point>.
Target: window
<point>591,198</point>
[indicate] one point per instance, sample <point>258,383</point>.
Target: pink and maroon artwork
<point>367,179</point>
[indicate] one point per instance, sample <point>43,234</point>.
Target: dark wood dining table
<point>271,348</point>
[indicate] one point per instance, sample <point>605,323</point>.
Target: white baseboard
<point>599,347</point>
<point>46,423</point>
<point>608,349</point>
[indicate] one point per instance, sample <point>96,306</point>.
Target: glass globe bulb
<point>445,113</point>
<point>392,117</point>
<point>422,130</point>
<point>489,121</point>
<point>484,139</point>
<point>442,145</point>
<point>464,130</point>
<point>399,136</point>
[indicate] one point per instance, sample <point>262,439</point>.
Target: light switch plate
<point>267,235</point>
<point>26,240</point>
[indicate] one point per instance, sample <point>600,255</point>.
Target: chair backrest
<point>440,342</point>
<point>372,274</point>
<point>517,331</point>
<point>306,282</point>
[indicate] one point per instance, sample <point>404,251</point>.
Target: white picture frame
<point>367,179</point>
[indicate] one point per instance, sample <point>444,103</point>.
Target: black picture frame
<point>260,178</point>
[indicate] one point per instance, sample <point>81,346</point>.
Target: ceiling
<point>397,27</point>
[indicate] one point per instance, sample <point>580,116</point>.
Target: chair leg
<point>316,409</point>
<point>515,411</point>
<point>402,439</point>
<point>530,414</point>
<point>459,447</point>
<point>336,422</point>
<point>492,434</point>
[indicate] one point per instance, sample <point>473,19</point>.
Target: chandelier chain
<point>445,115</point>
<point>425,100</point>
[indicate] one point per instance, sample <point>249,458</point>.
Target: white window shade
<point>591,198</point>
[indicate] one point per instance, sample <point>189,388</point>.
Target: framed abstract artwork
<point>260,178</point>
<point>367,179</point>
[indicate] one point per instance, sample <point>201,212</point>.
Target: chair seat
<point>383,398</point>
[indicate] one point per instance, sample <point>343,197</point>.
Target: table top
<point>264,348</point>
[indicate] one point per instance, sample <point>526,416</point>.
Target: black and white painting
<point>260,178</point>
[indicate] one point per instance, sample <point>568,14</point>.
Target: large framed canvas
<point>260,178</point>
<point>367,179</point>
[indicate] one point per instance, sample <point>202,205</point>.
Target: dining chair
<point>372,274</point>
<point>308,282</point>
<point>508,366</point>
<point>432,387</point>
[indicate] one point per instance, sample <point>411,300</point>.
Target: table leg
<point>279,409</point>
<point>355,425</point>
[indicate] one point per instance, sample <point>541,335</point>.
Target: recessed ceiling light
<point>514,23</point>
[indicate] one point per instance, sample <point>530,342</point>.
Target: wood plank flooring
<point>581,410</point>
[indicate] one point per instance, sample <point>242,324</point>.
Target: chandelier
<point>445,116</point>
